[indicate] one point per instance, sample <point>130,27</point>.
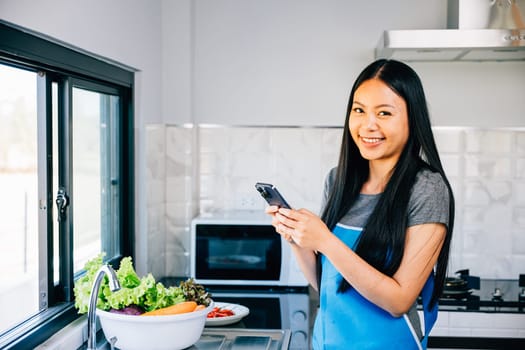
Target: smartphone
<point>270,193</point>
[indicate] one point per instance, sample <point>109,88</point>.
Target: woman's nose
<point>370,121</point>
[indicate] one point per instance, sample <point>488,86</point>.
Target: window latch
<point>62,202</point>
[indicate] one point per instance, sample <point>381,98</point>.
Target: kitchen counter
<point>483,326</point>
<point>227,339</point>
<point>459,330</point>
<point>486,325</point>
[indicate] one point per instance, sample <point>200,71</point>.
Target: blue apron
<point>349,321</point>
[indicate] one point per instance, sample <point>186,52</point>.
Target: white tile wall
<point>156,205</point>
<point>181,197</point>
<point>211,168</point>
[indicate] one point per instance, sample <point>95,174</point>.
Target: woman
<point>384,235</point>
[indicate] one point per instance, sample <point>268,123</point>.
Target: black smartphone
<point>270,193</point>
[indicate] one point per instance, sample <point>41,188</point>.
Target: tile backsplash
<point>203,169</point>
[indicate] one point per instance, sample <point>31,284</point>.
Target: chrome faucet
<point>114,285</point>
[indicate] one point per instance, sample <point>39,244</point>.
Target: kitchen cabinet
<point>479,330</point>
<point>479,324</point>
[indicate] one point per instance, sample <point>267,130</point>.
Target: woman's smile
<point>371,140</point>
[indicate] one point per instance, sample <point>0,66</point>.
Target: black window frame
<point>26,49</point>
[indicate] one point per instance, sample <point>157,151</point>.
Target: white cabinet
<point>479,325</point>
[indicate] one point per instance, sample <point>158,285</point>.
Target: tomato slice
<point>220,312</point>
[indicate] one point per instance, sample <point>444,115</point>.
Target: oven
<point>277,310</point>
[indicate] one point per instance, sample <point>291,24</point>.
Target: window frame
<point>57,61</point>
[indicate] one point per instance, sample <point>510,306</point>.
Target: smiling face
<point>379,122</point>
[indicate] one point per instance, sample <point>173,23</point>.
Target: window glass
<point>54,131</point>
<point>95,175</point>
<point>93,197</point>
<point>19,191</point>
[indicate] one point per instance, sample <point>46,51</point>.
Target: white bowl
<point>172,332</point>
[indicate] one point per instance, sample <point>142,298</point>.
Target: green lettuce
<point>82,288</point>
<point>143,292</point>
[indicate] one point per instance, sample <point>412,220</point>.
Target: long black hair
<point>382,241</point>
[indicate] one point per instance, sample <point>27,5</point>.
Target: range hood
<point>453,45</point>
<point>478,30</point>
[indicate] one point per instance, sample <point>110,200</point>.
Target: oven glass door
<point>237,252</point>
<point>265,312</point>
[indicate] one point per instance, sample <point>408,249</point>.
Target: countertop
<point>226,339</point>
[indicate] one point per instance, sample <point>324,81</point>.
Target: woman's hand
<point>305,228</point>
<point>272,210</point>
<point>292,225</point>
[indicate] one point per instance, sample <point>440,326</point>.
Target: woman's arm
<point>307,262</point>
<point>394,294</point>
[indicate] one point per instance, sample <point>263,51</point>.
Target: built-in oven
<point>288,310</point>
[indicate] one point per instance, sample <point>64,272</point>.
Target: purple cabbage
<point>128,310</point>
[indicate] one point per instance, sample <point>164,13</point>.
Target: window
<point>18,185</point>
<point>66,178</point>
<point>95,174</point>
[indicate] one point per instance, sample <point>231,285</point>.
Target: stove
<point>485,295</point>
<point>478,313</point>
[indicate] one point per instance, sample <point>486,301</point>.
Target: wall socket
<point>250,202</point>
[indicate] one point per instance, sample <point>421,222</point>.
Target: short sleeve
<point>328,183</point>
<point>429,200</point>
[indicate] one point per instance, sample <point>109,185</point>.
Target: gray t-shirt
<point>428,203</point>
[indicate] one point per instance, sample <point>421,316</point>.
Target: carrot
<point>180,308</point>
<point>200,307</point>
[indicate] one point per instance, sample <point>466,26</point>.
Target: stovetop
<point>488,295</point>
<point>242,339</point>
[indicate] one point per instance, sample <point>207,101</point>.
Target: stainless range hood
<point>453,45</point>
<point>492,32</point>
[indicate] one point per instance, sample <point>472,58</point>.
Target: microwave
<point>241,248</point>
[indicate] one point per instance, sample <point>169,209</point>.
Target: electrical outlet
<point>249,202</point>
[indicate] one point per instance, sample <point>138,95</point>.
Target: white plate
<point>238,310</point>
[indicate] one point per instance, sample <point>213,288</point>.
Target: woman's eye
<point>384,114</point>
<point>358,110</point>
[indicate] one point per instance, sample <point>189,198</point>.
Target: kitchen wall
<point>258,70</point>
<point>293,62</point>
<point>486,168</point>
<point>283,71</point>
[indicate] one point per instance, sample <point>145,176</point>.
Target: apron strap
<point>430,313</point>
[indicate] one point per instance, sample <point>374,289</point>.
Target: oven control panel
<point>296,306</point>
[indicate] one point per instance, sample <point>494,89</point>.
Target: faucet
<point>114,285</point>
